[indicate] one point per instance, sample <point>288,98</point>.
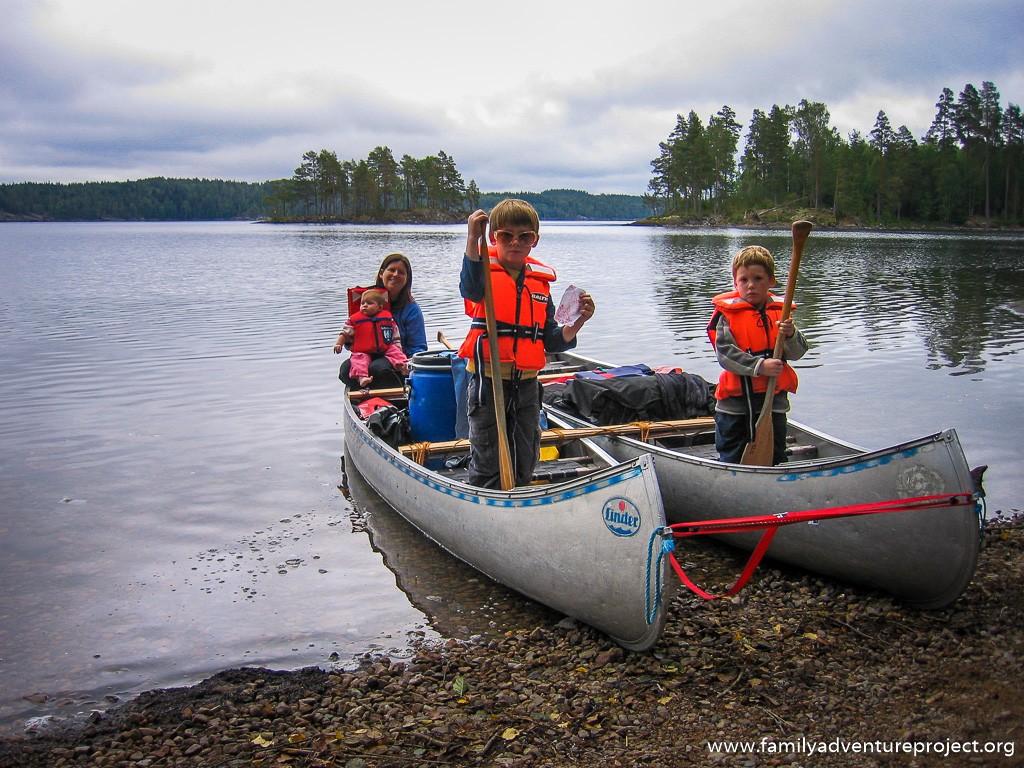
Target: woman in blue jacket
<point>395,276</point>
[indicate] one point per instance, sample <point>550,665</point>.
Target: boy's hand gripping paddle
<point>759,453</point>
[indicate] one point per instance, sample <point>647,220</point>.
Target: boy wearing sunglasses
<point>527,330</point>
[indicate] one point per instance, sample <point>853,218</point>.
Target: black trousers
<point>522,423</point>
<point>733,432</point>
<point>384,374</point>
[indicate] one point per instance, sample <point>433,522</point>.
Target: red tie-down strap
<point>771,523</point>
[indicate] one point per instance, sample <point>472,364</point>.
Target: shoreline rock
<point>791,657</point>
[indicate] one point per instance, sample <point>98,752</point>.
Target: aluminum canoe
<point>925,557</point>
<point>587,547</point>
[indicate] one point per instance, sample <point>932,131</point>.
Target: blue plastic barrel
<point>432,396</point>
<point>461,379</point>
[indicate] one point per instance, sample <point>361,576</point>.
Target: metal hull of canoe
<point>551,543</point>
<point>926,558</point>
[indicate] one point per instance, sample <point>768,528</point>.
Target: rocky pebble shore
<point>808,672</point>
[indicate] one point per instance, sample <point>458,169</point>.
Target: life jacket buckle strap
<point>531,332</point>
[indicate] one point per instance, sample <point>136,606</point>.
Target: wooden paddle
<point>759,453</point>
<point>504,457</point>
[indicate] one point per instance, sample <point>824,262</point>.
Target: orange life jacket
<point>755,332</point>
<point>520,313</point>
<point>373,334</point>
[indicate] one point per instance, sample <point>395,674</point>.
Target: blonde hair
<point>377,296</point>
<point>754,254</point>
<point>514,213</point>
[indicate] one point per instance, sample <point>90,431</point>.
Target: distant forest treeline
<point>143,200</point>
<point>379,187</point>
<point>322,189</point>
<point>968,166</point>
<point>573,205</point>
<point>204,200</point>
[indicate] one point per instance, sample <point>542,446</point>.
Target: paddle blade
<point>760,452</point>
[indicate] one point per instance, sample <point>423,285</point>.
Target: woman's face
<point>394,276</point>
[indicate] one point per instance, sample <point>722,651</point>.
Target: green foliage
<point>969,164</point>
<point>459,686</point>
<point>377,188</point>
<point>574,205</point>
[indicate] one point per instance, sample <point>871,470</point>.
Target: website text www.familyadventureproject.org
<point>804,746</point>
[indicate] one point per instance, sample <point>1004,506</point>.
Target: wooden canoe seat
<point>800,452</point>
<point>559,366</point>
<point>557,470</point>
<point>552,471</point>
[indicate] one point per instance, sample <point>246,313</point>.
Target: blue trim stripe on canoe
<point>859,466</point>
<point>532,501</point>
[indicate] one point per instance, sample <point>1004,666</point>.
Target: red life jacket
<point>755,332</point>
<point>520,313</point>
<point>373,334</point>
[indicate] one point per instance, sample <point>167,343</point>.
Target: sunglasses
<point>505,237</point>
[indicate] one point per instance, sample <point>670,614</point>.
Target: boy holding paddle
<point>513,327</point>
<point>744,330</point>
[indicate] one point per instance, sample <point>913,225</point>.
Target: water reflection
<point>867,292</point>
<point>459,601</point>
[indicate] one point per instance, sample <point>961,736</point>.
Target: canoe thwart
<point>387,394</point>
<point>547,472</point>
<point>558,436</point>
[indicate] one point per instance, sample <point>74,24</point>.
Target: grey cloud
<point>918,46</point>
<point>63,109</point>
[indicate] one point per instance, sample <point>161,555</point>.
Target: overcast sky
<point>525,96</point>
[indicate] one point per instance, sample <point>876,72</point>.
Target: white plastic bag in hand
<point>568,311</point>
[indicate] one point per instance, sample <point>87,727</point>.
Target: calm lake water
<point>170,432</point>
